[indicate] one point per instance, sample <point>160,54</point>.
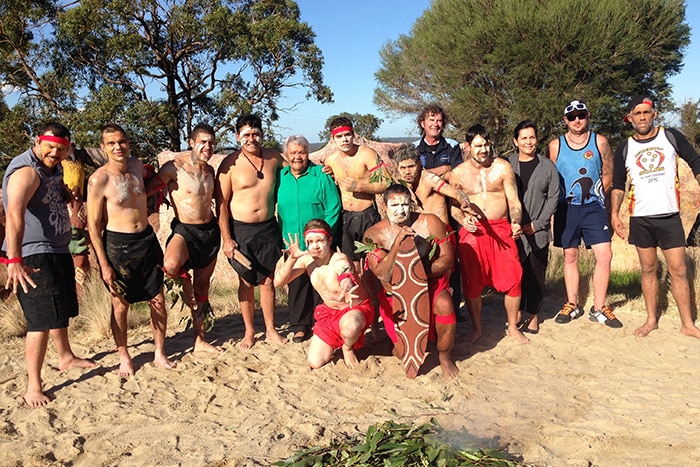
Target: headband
<point>318,231</point>
<point>55,139</point>
<point>340,129</point>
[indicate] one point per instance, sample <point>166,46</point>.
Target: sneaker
<point>568,312</point>
<point>605,316</point>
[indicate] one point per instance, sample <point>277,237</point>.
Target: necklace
<point>258,172</point>
<point>570,137</point>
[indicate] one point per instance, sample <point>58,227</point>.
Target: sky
<point>350,35</point>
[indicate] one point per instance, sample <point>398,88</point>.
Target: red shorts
<point>386,309</point>
<point>489,257</point>
<point>327,326</point>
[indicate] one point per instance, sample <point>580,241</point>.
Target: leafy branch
<point>398,445</point>
<point>368,247</point>
<point>175,291</point>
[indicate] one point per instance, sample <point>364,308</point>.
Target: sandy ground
<point>580,394</point>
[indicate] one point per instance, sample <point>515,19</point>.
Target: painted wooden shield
<point>411,307</point>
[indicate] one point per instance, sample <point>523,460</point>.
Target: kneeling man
<point>346,312</point>
<point>436,255</point>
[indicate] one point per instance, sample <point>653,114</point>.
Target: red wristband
<point>347,275</point>
<point>17,259</point>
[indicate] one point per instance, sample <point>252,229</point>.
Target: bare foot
<point>200,345</point>
<point>646,328</point>
<point>76,362</point>
<point>126,367</point>
<point>163,362</point>
<point>35,398</point>
<point>476,335</point>
<point>691,331</point>
<point>449,369</point>
<point>247,342</point>
<point>273,336</point>
<point>350,358</point>
<point>515,333</point>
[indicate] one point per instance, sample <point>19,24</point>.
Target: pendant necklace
<point>258,172</point>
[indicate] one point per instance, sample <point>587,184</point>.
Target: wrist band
<point>16,259</point>
<point>347,275</point>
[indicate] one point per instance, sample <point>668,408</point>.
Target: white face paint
<point>203,147</point>
<point>398,208</point>
<point>317,244</point>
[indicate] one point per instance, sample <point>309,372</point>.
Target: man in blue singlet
<point>584,160</point>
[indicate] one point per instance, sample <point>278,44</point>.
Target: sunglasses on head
<point>572,108</point>
<point>580,115</point>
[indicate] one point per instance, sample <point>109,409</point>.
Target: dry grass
<point>624,289</point>
<point>93,321</point>
<point>12,322</point>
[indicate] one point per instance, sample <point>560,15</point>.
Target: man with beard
<point>650,158</point>
<point>39,265</point>
<point>195,238</point>
<point>488,255</point>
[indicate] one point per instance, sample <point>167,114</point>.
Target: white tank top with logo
<point>653,169</point>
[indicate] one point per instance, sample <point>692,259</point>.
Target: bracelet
<point>16,259</point>
<point>346,275</point>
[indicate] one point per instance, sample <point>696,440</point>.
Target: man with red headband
<point>359,173</point>
<point>38,259</point>
<point>346,313</point>
<point>650,159</point>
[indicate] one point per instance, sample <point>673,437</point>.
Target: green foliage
<point>368,247</point>
<point>15,132</point>
<point>156,67</point>
<point>627,283</point>
<point>394,444</point>
<point>365,125</point>
<point>497,62</point>
<point>690,121</point>
<point>175,292</point>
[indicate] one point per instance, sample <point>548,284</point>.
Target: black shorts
<point>261,243</point>
<point>203,242</point>
<point>54,301</point>
<point>355,224</point>
<point>137,259</point>
<point>650,232</point>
